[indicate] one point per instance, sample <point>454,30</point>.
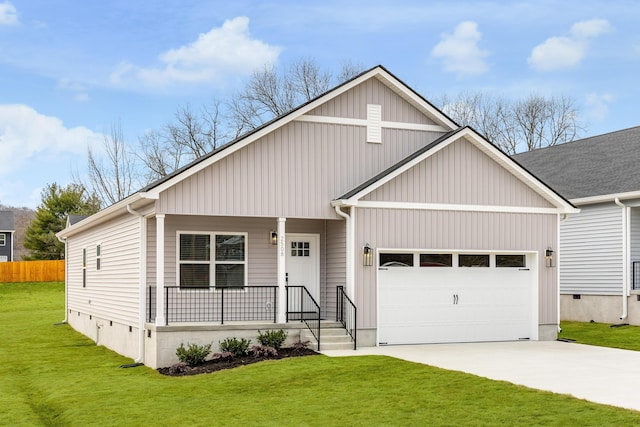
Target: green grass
<point>601,334</point>
<point>51,375</point>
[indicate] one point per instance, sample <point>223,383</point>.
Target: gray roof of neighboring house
<point>595,166</point>
<point>6,221</point>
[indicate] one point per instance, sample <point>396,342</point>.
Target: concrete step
<point>330,339</point>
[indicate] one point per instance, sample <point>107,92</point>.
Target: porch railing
<point>211,304</point>
<point>347,314</point>
<point>302,306</point>
<point>635,277</point>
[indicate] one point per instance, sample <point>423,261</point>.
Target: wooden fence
<point>32,271</point>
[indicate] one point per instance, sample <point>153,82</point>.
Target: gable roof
<point>6,221</point>
<point>548,193</point>
<point>603,165</point>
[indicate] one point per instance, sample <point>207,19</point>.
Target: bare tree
<point>520,125</point>
<point>114,179</point>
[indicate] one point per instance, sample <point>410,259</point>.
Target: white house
<point>600,246</point>
<point>368,193</point>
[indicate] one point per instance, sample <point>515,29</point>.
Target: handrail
<point>347,314</point>
<point>302,306</point>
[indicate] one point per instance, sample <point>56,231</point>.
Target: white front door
<point>303,262</point>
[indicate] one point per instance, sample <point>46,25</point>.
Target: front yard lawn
<point>53,376</point>
<point>602,334</point>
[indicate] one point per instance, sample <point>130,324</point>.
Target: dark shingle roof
<point>72,219</point>
<point>595,166</point>
<point>6,221</point>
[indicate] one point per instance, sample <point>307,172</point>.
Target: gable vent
<point>374,123</point>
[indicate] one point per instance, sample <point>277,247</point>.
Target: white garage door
<point>429,297</point>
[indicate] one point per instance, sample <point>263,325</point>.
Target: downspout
<point>350,250</point>
<point>625,257</point>
<point>561,218</point>
<point>66,281</point>
<point>143,284</point>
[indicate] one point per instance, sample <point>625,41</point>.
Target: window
<point>197,258</point>
<point>511,261</point>
<point>98,257</point>
<point>3,239</point>
<point>300,249</point>
<point>473,260</point>
<point>396,260</point>
<point>84,267</point>
<point>436,260</point>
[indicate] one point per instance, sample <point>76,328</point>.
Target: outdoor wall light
<point>367,256</point>
<point>548,256</point>
<point>273,238</point>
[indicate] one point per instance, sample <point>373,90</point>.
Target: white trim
<point>363,123</point>
<point>455,207</point>
<point>505,161</point>
<point>160,270</point>
<point>282,270</point>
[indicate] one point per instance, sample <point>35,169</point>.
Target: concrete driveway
<point>598,374</point>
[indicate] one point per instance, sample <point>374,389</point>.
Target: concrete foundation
<point>599,308</point>
<point>122,339</point>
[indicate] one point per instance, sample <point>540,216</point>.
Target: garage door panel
<point>454,304</point>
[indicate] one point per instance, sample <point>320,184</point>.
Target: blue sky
<point>69,69</point>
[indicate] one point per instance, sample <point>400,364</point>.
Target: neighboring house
<point>7,230</point>
<point>434,233</point>
<point>600,246</point>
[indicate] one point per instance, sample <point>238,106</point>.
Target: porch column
<point>160,320</point>
<point>282,271</point>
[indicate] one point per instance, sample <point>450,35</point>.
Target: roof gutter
<point>626,210</point>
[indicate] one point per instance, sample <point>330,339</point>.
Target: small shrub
<point>300,346</point>
<point>272,338</point>
<point>237,347</point>
<point>263,351</point>
<point>194,354</point>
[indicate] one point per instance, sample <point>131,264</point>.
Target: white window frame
<point>3,239</point>
<point>212,262</point>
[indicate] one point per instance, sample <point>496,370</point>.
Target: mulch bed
<point>233,362</point>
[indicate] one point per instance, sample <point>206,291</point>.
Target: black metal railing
<point>347,314</point>
<point>302,306</point>
<point>635,277</point>
<point>211,304</point>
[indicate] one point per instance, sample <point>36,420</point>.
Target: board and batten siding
<point>448,230</point>
<point>353,104</point>
<point>635,239</point>
<point>296,170</point>
<point>111,293</point>
<point>336,263</point>
<point>591,251</point>
<point>459,174</point>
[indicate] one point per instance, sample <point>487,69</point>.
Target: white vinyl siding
<point>111,293</point>
<point>591,251</point>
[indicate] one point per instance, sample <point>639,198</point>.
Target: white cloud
<point>460,52</point>
<point>78,90</point>
<point>222,51</point>
<point>566,52</point>
<point>26,134</point>
<point>8,14</point>
<point>598,105</point>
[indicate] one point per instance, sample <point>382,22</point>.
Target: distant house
<point>7,229</point>
<point>600,246</point>
<point>367,194</point>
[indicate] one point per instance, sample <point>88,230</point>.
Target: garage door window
<point>436,260</point>
<point>511,261</point>
<point>473,260</point>
<point>396,260</point>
